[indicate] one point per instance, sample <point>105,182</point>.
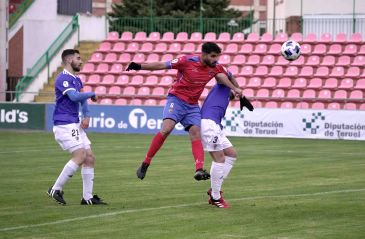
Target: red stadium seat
<point>331,83</point>
<point>318,106</point>
<point>266,37</point>
<point>287,105</point>
<point>175,48</point>
<point>82,78</point>
<point>189,48</point>
<point>150,102</point>
<point>337,71</point>
<point>271,104</point>
<point>274,49</point>
<point>135,102</point>
<point>281,61</point>
<point>224,59</point>
<point>261,71</point>
<point>269,82</point>
<point>104,47</point>
<point>353,72</point>
<point>87,68</point>
<point>325,38</point>
<point>114,90</point>
<point>241,81</point>
<point>106,101</point>
<point>281,37</point>
<point>254,82</point>
<point>260,49</point>
<point>350,106</point>
<point>362,50</point>
<point>93,80</point>
<point>268,60</point>
<point>168,37</point>
<point>126,36</point>
<point>210,36</point>
<point>154,36</point>
<point>140,37</point>
<point>224,37</point>
<point>137,80</point>
<point>151,81</point>
<point>302,105</point>
<point>238,37</point>
<point>346,83</point>
<point>310,38</point>
<point>166,81</point>
<point>341,37</point>
<point>253,60</point>
<point>158,91</point>
<point>122,80</point>
<point>234,69</point>
<point>129,91</point>
<point>315,83</point>
<point>350,49</point>
<point>278,93</point>
<point>263,93</point>
<point>319,49</point>
<point>343,61</point>
<point>161,47</point>
<point>248,92</point>
<point>276,71</point>
<point>96,57</point>
<point>120,101</point>
<point>309,94</point>
<point>132,47</point>
<point>246,49</point>
<point>333,106</point>
<point>328,61</point>
<point>284,82</point>
<point>231,48</point>
<point>110,58</point>
<point>144,91</point>
<point>298,62</point>
<point>291,71</point>
<point>116,69</point>
<point>356,94</point>
<point>239,59</point>
<point>153,58</point>
<point>253,37</point>
<point>87,88</point>
<point>118,47</point>
<point>313,60</point>
<point>112,36</point>
<point>355,38</point>
<point>108,80</point>
<point>306,49</point>
<point>146,47</point>
<point>300,83</point>
<point>359,61</point>
<point>335,49</point>
<point>139,58</point>
<point>297,36</point>
<point>124,58</point>
<point>100,90</point>
<point>196,37</point>
<point>102,68</point>
<point>325,94</point>
<point>246,71</point>
<point>322,71</point>
<point>167,57</point>
<point>340,94</point>
<point>182,37</point>
<point>360,84</point>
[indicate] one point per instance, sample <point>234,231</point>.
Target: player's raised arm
<point>147,66</point>
<point>223,79</point>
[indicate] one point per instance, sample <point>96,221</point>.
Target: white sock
<point>87,182</point>
<point>67,172</point>
<point>216,179</point>
<point>228,164</point>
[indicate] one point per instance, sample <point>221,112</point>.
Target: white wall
<point>92,28</point>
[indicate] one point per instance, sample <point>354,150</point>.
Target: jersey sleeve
<point>65,84</point>
<point>222,69</point>
<point>177,63</point>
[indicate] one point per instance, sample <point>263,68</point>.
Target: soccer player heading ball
<point>194,72</point>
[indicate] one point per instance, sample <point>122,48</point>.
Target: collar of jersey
<point>68,73</point>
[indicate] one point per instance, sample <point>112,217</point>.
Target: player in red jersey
<point>194,72</point>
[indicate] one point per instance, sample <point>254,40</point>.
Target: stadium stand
<point>328,75</point>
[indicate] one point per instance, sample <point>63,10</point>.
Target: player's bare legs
<point>198,153</point>
<point>157,141</point>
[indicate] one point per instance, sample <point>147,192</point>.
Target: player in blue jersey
<point>69,131</point>
<point>215,141</point>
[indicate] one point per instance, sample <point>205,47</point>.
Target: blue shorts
<point>182,112</point>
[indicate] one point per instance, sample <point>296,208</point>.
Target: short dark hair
<point>68,52</point>
<point>210,47</point>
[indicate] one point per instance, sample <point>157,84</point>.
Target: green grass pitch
<point>279,188</point>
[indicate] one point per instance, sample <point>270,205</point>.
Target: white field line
<point>171,206</point>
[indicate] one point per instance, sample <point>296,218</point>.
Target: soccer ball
<point>290,50</point>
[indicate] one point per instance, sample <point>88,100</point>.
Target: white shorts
<point>213,137</point>
<point>71,137</point>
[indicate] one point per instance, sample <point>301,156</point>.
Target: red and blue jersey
<point>192,76</point>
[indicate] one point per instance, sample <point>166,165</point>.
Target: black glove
<point>245,102</point>
<point>134,66</point>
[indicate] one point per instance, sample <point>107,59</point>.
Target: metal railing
<point>22,8</point>
<point>45,59</point>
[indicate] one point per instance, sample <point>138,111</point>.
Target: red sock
<point>155,145</point>
<point>198,153</point>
